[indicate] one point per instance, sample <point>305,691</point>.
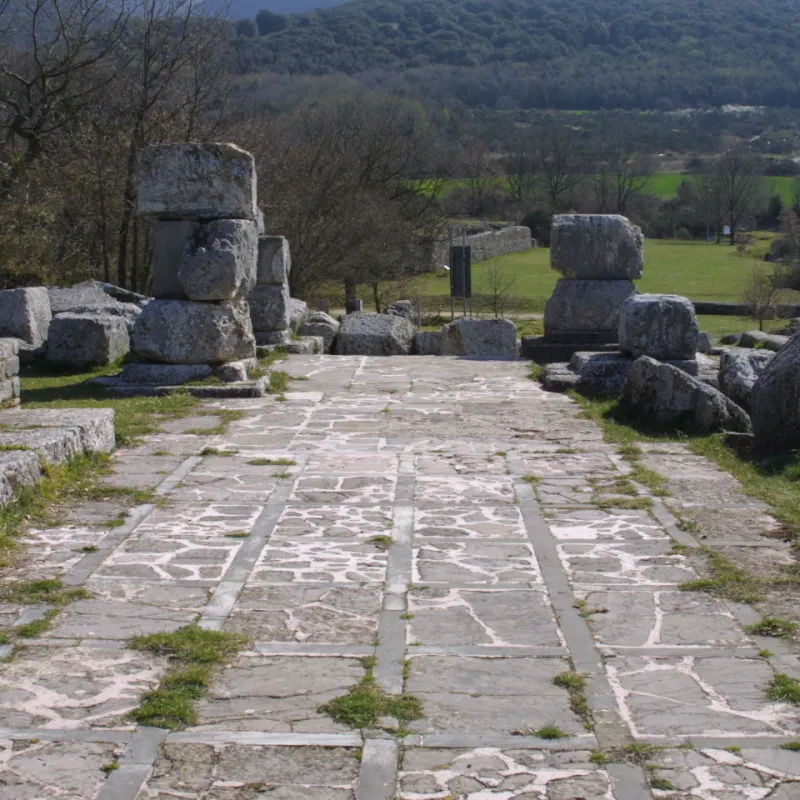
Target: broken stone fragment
<point>274,259</point>
<point>197,181</point>
<point>480,338</point>
<point>270,307</point>
<point>87,340</point>
<point>25,314</point>
<point>219,260</point>
<point>662,326</point>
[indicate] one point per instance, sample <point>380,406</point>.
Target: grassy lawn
<point>662,184</point>
<point>696,270</point>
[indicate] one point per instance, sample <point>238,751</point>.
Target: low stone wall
<point>720,308</point>
<point>489,245</point>
<point>9,372</point>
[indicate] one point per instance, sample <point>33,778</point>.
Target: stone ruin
<point>599,256</point>
<point>648,343</point>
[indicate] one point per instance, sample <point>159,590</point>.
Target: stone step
<point>30,438</point>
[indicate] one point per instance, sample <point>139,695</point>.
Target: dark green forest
<point>565,54</point>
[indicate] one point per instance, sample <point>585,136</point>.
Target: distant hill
<point>580,54</point>
<point>247,9</point>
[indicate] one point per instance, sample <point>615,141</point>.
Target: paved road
<point>508,565</point>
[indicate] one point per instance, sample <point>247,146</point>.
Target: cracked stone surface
<point>39,770</point>
<point>491,772</point>
<point>235,772</point>
<point>434,526</point>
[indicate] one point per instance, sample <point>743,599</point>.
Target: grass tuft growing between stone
<point>194,655</point>
<point>272,462</point>
<point>364,705</point>
<point>575,683</point>
<point>78,481</point>
<point>784,689</point>
<point>773,626</point>
<point>725,579</point>
<point>278,382</point>
<point>791,746</point>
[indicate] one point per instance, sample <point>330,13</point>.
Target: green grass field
<point>697,270</point>
<point>662,184</point>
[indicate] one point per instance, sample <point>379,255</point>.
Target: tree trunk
<point>376,297</point>
<point>135,256</point>
<point>127,213</point>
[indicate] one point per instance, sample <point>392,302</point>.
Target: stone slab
<point>95,426</point>
<point>196,181</point>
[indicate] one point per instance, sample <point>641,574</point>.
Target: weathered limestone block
<point>95,426</point>
<point>402,308</point>
<point>91,294</point>
<point>199,181</point>
<point>480,338</point>
<point>145,373</point>
<point>183,332</point>
<point>428,343</point>
<point>305,346</point>
<point>18,468</point>
<point>738,372</point>
<point>25,314</point>
<point>125,311</point>
<point>776,408</point>
<point>87,340</point>
<point>274,259</point>
<point>273,339</point>
<point>323,325</point>
<point>581,306</point>
<point>9,391</point>
<point>270,307</point>
<point>663,326</point>
<point>298,313</point>
<point>665,396</point>
<point>9,364</point>
<point>767,341</point>
<point>597,247</point>
<point>705,342</point>
<point>219,260</point>
<point>54,445</point>
<point>374,335</point>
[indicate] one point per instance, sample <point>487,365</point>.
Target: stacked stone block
<point>270,304</point>
<point>202,199</point>
<point>9,372</point>
<point>599,257</point>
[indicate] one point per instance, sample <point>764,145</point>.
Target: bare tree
<point>173,70</point>
<point>558,166</point>
<point>480,175</point>
<point>501,286</point>
<point>710,198</point>
<point>56,61</point>
<point>344,187</point>
<point>619,176</point>
<point>762,290</point>
<point>739,175</point>
<point>521,169</point>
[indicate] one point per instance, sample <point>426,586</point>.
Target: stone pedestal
<point>202,198</point>
<point>599,255</point>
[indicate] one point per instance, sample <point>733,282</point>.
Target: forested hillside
<point>579,54</point>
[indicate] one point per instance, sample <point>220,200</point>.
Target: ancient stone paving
<point>447,517</point>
